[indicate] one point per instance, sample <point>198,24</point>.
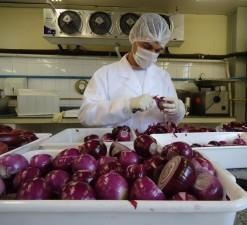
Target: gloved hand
<point>142,103</point>
<point>171,106</point>
<point>57,117</point>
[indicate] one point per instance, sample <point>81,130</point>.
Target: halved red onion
<point>178,175</point>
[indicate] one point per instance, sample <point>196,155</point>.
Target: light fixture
<point>56,0</point>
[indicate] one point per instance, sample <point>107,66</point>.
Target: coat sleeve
<point>97,109</point>
<point>175,118</point>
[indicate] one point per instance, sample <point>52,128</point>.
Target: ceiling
<point>171,6</point>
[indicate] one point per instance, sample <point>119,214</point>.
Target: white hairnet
<point>150,27</point>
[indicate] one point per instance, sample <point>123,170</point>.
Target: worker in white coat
<point>122,93</point>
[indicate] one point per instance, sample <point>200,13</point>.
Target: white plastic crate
<point>30,146</point>
<point>101,212</point>
<point>227,156</point>
<point>75,136</point>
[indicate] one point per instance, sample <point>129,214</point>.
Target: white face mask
<point>145,58</point>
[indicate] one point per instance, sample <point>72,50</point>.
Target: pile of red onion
<point>88,173</point>
<point>119,133</point>
<point>13,138</point>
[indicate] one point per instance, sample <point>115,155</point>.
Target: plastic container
<point>75,136</point>
<point>31,145</point>
<point>227,156</point>
<point>101,212</point>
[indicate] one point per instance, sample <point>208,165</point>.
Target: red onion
<point>201,164</point>
<point>12,164</point>
<point>84,162</point>
<point>108,167</point>
<point>84,176</point>
<point>207,187</point>
<point>183,196</point>
<point>134,171</point>
<point>56,179</point>
<point>145,189</point>
<point>95,148</point>
<point>145,145</point>
<point>26,175</point>
<point>91,137</point>
<point>127,158</point>
<point>36,189</point>
<point>178,148</point>
<point>107,137</point>
<point>77,190</point>
<point>42,161</point>
<point>111,186</point>
<point>106,159</point>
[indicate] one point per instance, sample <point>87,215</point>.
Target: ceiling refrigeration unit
<point>86,27</point>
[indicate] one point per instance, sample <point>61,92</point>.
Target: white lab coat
<point>106,98</point>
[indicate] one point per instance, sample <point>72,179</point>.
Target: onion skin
<point>145,145</point>
<point>36,189</point>
<point>77,190</point>
<point>111,186</point>
<point>178,175</point>
<point>145,189</point>
<point>207,187</point>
